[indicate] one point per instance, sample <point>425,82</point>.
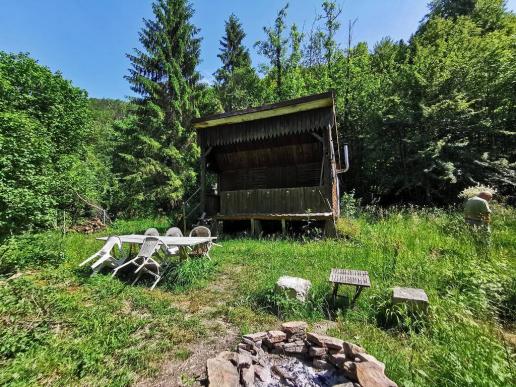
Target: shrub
<point>347,228</point>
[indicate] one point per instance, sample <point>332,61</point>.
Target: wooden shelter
<point>273,162</point>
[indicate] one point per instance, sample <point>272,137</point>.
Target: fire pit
<point>293,357</point>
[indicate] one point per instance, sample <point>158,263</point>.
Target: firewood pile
<point>90,226</point>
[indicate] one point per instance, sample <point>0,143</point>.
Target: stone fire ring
<point>291,357</point>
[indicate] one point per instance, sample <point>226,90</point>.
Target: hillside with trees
<point>424,118</point>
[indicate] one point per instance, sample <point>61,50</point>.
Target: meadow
<point>62,327</point>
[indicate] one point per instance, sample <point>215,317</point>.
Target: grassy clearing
<point>60,326</point>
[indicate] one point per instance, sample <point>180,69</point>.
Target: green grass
<point>60,326</point>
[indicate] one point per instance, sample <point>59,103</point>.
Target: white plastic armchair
<point>174,232</point>
<point>202,249</point>
<point>144,261</point>
<point>104,256</point>
<point>151,232</point>
<point>172,250</point>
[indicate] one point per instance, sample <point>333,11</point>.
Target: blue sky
<point>87,39</point>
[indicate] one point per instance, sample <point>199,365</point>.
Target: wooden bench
<point>357,278</point>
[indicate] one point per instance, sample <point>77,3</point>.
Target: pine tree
<point>236,80</point>
<point>157,162</point>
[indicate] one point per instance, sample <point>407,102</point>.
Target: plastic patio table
<point>181,242</point>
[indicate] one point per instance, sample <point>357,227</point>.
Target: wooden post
<point>283,227</point>
<point>253,231</point>
<point>203,181</point>
<point>184,218</point>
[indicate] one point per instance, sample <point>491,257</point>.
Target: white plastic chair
<point>172,250</point>
<point>144,261</point>
<point>105,256</point>
<point>200,231</point>
<point>174,232</point>
<point>151,232</point>
<point>202,249</point>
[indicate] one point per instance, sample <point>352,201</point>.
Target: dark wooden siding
<point>300,200</point>
<point>302,175</point>
<point>295,123</point>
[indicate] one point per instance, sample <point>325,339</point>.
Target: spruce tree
<point>233,54</point>
<point>157,162</point>
<point>236,80</point>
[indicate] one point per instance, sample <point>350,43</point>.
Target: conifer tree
<point>233,53</point>
<point>157,162</point>
<point>275,47</point>
<point>236,80</point>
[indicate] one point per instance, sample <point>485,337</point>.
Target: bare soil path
<point>220,334</point>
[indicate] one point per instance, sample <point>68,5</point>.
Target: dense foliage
<point>237,83</point>
<point>44,145</point>
<point>158,154</point>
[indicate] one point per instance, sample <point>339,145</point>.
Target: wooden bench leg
<point>358,290</point>
<point>334,296</point>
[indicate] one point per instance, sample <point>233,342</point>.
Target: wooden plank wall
<point>304,175</point>
<point>273,201</point>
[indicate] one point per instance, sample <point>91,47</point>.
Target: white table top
<point>169,241</point>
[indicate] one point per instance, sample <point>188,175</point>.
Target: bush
<point>347,228</point>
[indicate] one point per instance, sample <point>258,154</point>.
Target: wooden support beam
<point>317,137</point>
<point>208,151</point>
<point>203,182</point>
<point>283,227</point>
<point>256,217</point>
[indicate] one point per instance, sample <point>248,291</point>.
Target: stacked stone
<point>355,363</point>
<point>324,352</point>
<point>295,332</point>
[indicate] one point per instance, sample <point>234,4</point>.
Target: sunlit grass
<point>60,326</point>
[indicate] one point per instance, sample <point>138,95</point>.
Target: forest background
<point>424,118</point>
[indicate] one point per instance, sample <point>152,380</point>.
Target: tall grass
<point>471,293</point>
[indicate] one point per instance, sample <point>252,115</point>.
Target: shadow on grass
<point>318,305</point>
<point>177,275</point>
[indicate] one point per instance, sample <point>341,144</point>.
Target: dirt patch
<point>192,371</point>
<point>220,335</point>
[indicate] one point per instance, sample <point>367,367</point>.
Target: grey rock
<point>293,287</point>
<point>366,357</point>
<point>247,376</point>
<point>294,327</point>
<point>321,364</point>
<point>352,350</point>
<point>233,357</point>
<point>370,374</point>
<point>283,374</point>
<point>317,351</point>
<point>349,369</point>
<point>262,373</point>
<point>337,359</point>
<point>255,337</point>
<point>416,299</point>
<point>276,336</point>
<point>296,347</point>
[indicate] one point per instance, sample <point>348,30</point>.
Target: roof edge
<point>309,102</point>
